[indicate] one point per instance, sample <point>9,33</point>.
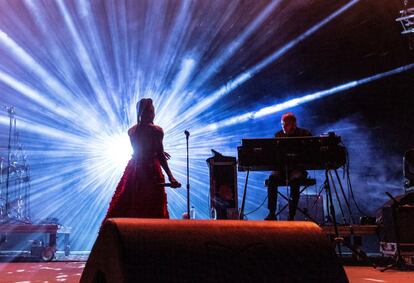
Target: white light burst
<point>117,150</point>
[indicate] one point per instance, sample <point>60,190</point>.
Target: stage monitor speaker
<point>152,250</point>
<point>397,219</point>
<point>401,223</point>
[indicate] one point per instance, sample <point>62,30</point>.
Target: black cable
<point>245,214</point>
<point>348,182</point>
<point>320,191</point>
<point>337,196</point>
<point>317,193</point>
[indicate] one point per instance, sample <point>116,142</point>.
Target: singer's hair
<point>145,111</point>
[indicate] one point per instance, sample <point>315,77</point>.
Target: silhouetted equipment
<point>14,177</point>
<point>310,153</point>
<point>323,152</point>
<point>45,251</point>
<point>396,217</point>
<point>310,208</point>
<point>405,217</point>
<point>223,186</point>
<point>403,222</point>
<point>406,19</point>
<point>397,233</point>
<point>304,211</point>
<point>312,205</point>
<point>157,250</point>
<point>408,168</point>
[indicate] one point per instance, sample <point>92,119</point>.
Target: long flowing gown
<point>139,193</point>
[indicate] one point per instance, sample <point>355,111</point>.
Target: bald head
<point>288,123</point>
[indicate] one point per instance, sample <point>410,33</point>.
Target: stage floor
<point>70,272</point>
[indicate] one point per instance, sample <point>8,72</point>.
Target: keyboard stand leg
<point>331,211</point>
<point>241,215</point>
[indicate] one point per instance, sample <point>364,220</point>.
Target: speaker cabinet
<point>150,250</point>
<point>400,224</point>
<point>223,187</point>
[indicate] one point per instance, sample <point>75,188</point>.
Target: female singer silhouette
<point>140,192</point>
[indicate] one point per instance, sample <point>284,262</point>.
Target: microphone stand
<point>187,135</point>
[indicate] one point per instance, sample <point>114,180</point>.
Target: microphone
<point>187,133</point>
<point>171,185</point>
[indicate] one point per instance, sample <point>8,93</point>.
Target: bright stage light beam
<point>87,64</point>
<point>300,100</point>
<point>247,75</point>
<point>236,43</point>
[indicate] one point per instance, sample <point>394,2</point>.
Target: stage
<point>70,272</point>
<point>69,268</point>
<point>225,112</point>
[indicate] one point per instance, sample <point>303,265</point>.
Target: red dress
<point>139,193</point>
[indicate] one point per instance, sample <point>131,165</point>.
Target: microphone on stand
<point>187,134</point>
<point>170,185</point>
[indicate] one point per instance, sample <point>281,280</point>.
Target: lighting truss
<point>407,18</point>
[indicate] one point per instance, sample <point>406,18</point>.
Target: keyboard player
<point>294,175</point>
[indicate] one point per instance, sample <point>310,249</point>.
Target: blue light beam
<point>268,110</point>
<point>247,75</point>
